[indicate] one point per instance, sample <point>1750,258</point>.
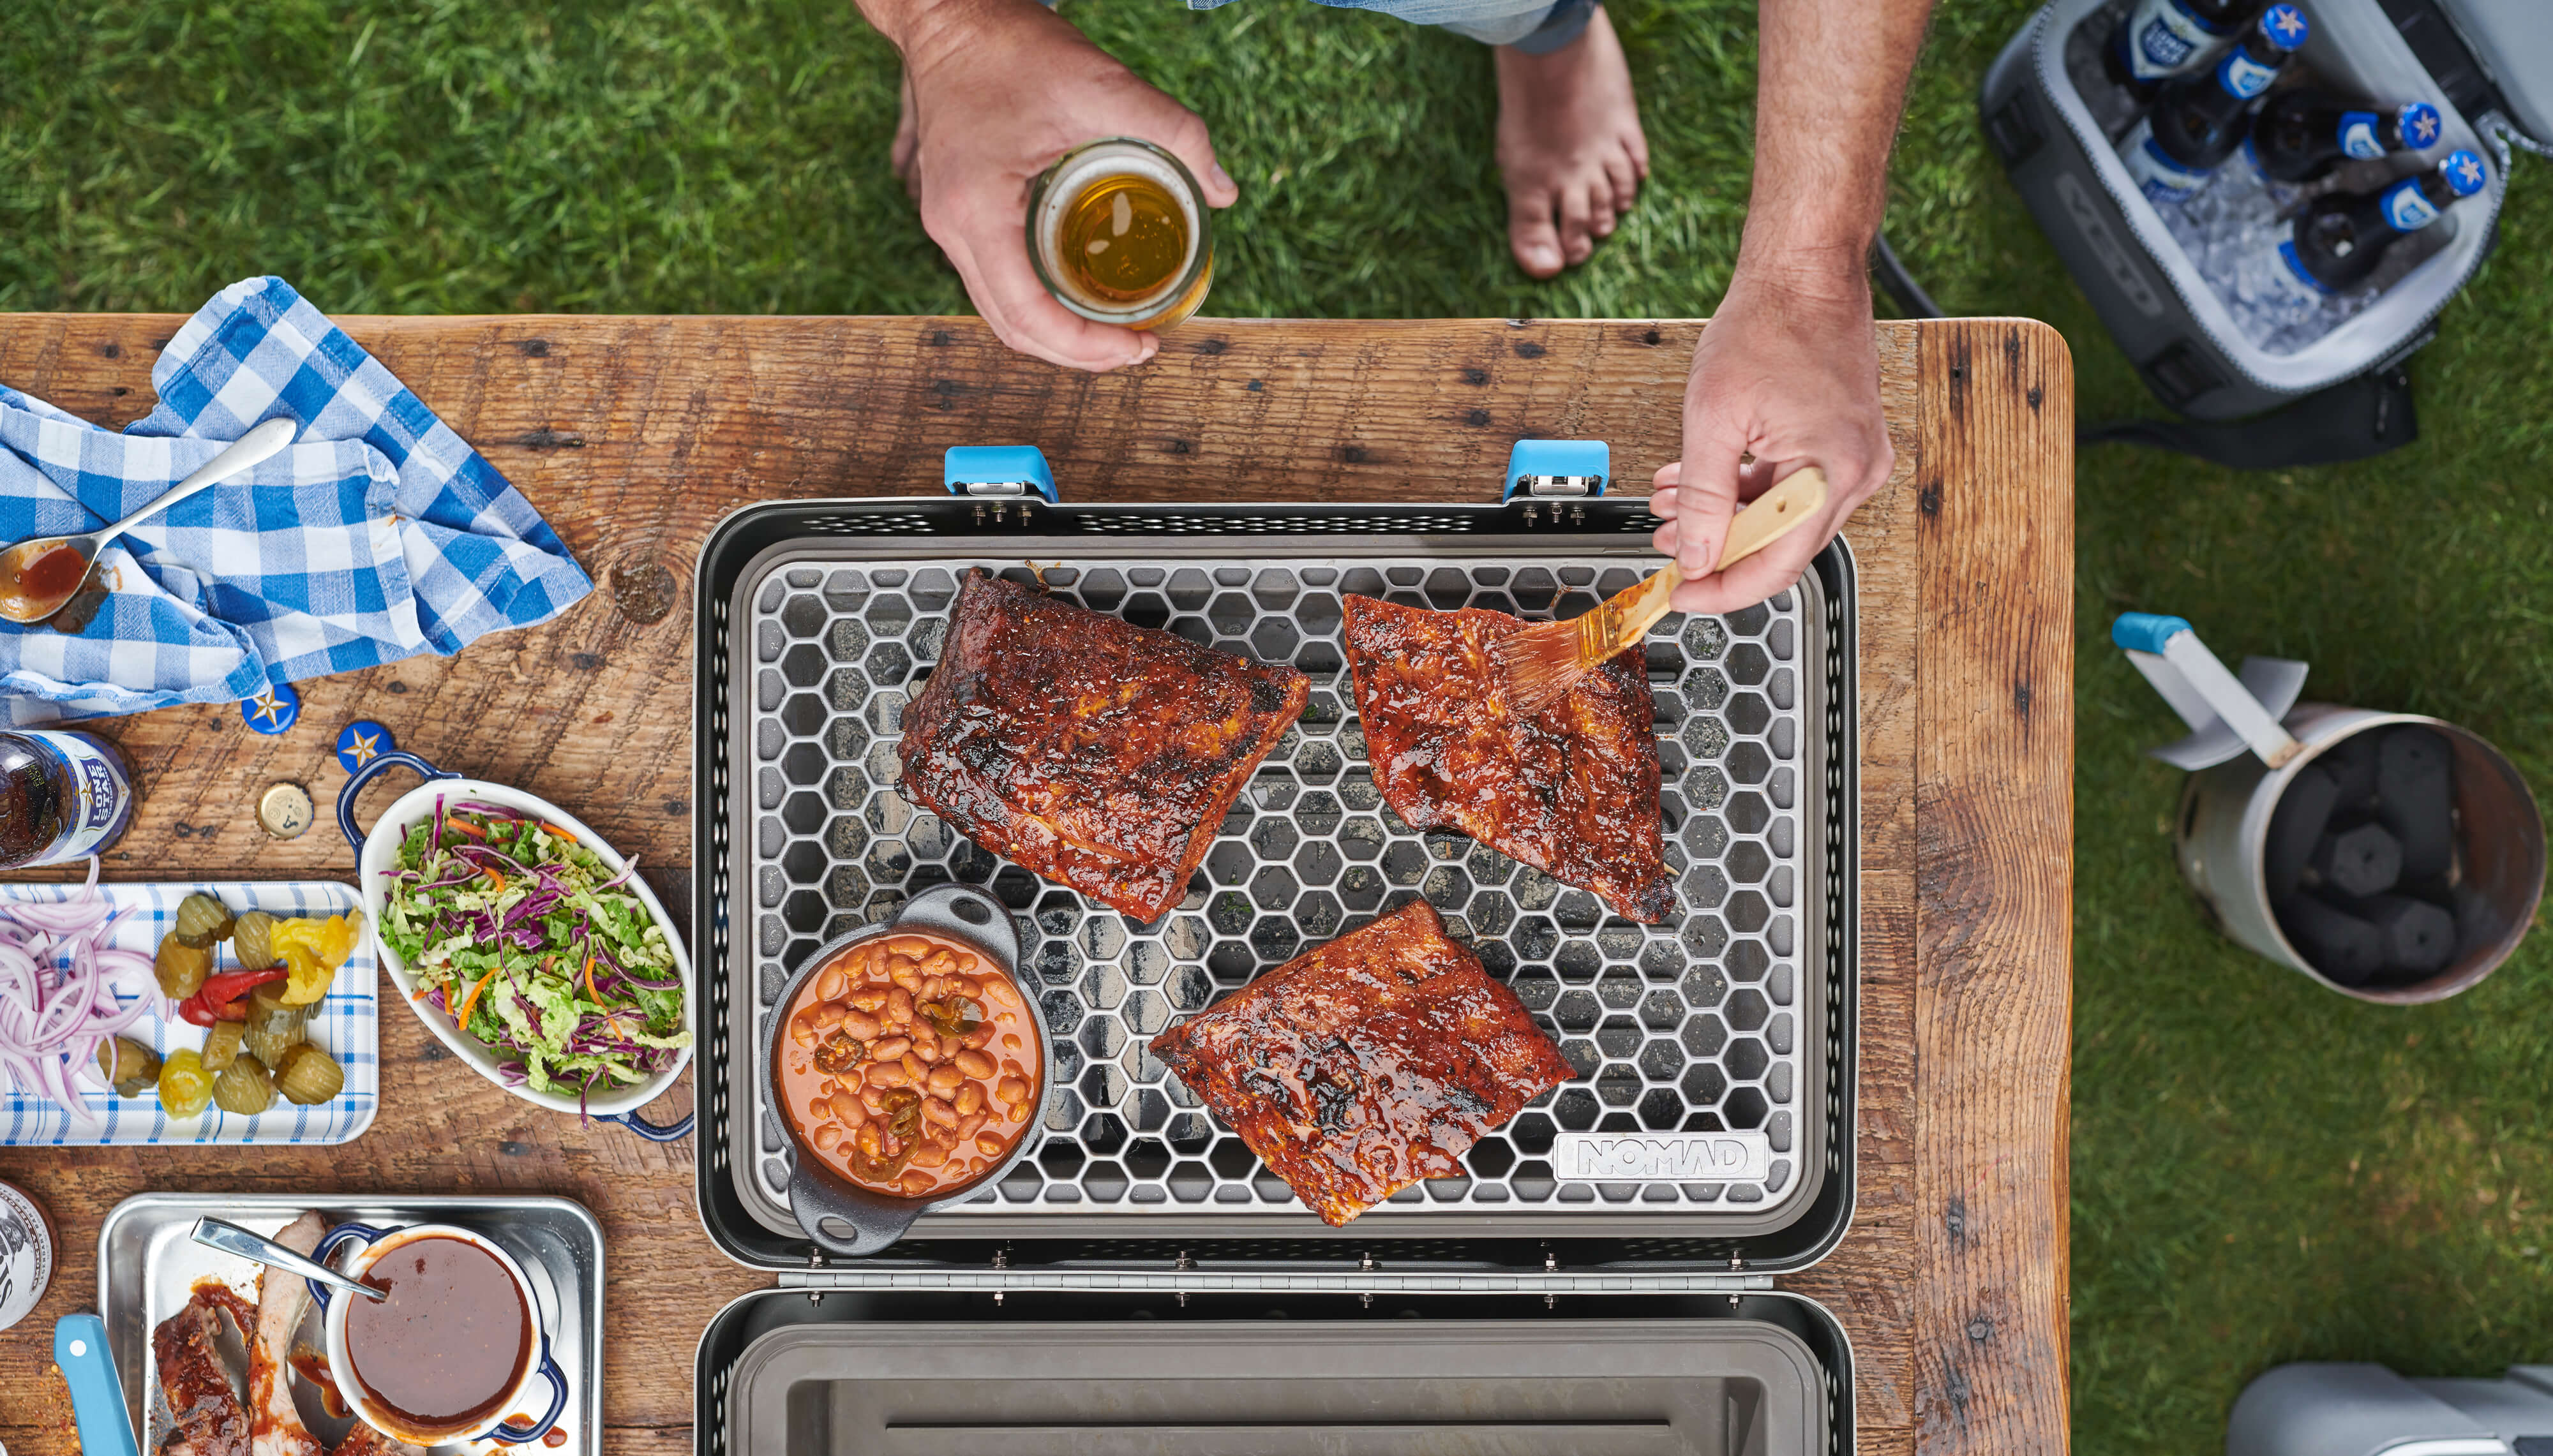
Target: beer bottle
<point>2339,240</point>
<point>2157,40</point>
<point>2301,135</point>
<point>2199,120</point>
<point>63,795</point>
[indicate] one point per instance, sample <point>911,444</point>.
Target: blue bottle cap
<point>2284,26</point>
<point>2465,172</point>
<point>2419,124</point>
<point>273,710</point>
<point>361,742</point>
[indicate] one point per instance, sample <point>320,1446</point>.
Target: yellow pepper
<point>311,951</point>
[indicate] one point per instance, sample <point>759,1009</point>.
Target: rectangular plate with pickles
<point>346,1024</point>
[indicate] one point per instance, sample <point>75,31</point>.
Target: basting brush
<point>1543,662</point>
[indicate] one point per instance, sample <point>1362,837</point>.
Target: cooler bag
<point>2055,121</point>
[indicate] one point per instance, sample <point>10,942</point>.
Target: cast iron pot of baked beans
<point>818,1195</point>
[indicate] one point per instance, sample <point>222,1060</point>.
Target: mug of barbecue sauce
<point>453,1350</point>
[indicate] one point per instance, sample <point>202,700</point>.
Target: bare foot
<point>907,144</point>
<point>1568,146</point>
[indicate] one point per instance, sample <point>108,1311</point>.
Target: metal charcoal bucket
<point>2222,832</point>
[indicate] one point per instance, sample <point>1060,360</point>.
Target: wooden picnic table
<point>636,435</point>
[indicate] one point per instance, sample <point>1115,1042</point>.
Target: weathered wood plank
<point>1994,823</point>
<point>1867,1281</point>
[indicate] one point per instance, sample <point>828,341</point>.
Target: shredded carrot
<point>590,994</point>
<point>494,879</point>
<point>465,826</point>
<point>463,1020</point>
<point>563,833</point>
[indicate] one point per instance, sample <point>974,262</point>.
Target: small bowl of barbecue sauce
<point>455,1346</point>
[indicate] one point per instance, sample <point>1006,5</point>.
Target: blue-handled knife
<point>97,1396</point>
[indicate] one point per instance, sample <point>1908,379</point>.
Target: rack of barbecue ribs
<point>1098,753</point>
<point>1572,791</point>
<point>1356,1068</point>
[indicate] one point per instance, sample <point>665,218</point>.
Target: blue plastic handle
<point>2146,631</point>
<point>1559,457</point>
<point>996,464</point>
<point>355,783</point>
<point>97,1396</point>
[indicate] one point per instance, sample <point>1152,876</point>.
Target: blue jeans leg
<point>1536,27</point>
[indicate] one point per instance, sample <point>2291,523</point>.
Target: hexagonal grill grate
<point>1707,1022</point>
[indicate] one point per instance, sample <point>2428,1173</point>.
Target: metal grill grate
<point>1696,1024</point>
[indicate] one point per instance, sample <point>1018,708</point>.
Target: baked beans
<point>906,1064</point>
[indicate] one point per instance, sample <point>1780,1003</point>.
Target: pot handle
<point>521,1435</point>
<point>329,1243</point>
<point>968,913</point>
<point>355,783</point>
<point>654,1133</point>
<point>816,1199</point>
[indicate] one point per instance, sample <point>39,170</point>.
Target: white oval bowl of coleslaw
<point>614,1013</point>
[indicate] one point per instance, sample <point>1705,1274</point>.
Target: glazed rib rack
<point>1733,1013</point>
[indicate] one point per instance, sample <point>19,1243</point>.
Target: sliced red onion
<point>58,993</point>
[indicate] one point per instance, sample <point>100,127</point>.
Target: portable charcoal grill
<point>818,621</point>
<point>1729,1025</point>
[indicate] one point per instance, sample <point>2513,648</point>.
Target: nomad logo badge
<point>1662,1157</point>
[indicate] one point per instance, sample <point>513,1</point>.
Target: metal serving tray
<point>818,621</point>
<point>148,1266</point>
<point>1118,1376</point>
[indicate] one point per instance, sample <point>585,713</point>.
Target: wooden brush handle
<point>1792,501</point>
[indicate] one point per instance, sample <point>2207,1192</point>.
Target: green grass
<point>2263,1171</point>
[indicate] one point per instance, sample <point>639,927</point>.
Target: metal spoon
<point>230,1238</point>
<point>20,603</point>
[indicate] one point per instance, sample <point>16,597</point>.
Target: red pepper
<point>224,997</point>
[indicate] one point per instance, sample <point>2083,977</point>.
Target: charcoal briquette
<point>2477,920</point>
<point>2359,861</point>
<point>2418,938</point>
<point>2415,794</point>
<point>2304,810</point>
<point>2344,948</point>
<point>2350,762</point>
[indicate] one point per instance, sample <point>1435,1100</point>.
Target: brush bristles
<point>1541,663</point>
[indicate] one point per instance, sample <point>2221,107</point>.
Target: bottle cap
<point>272,711</point>
<point>2419,124</point>
<point>361,742</point>
<point>284,810</point>
<point>2465,172</point>
<point>2284,26</point>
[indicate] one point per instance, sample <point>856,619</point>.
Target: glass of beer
<point>1117,231</point>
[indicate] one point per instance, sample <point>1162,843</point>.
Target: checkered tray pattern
<point>347,1026</point>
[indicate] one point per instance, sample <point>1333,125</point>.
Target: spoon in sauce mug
<point>230,1238</point>
<point>38,577</point>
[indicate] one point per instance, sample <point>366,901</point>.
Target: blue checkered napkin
<point>379,535</point>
